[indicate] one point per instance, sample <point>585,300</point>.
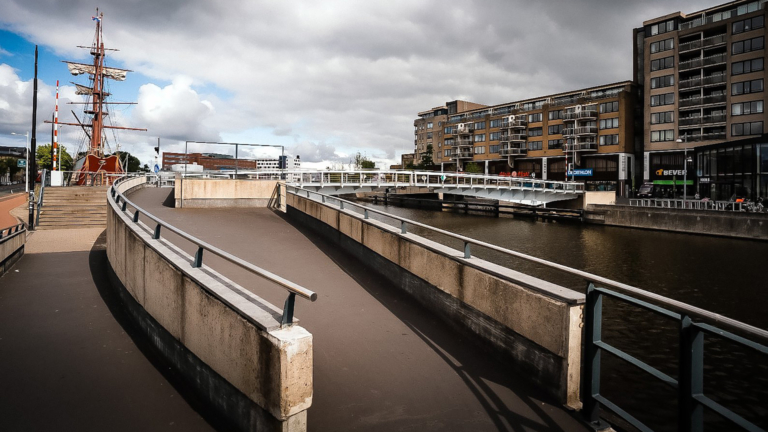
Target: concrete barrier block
<point>383,243</point>
<point>294,348</point>
<point>351,227</point>
<point>329,216</point>
<point>438,270</point>
<point>163,292</point>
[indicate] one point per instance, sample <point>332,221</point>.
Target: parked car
<point>645,191</point>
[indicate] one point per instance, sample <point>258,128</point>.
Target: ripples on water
<point>725,276</point>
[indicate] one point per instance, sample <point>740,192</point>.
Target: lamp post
<point>26,149</point>
<point>685,167</point>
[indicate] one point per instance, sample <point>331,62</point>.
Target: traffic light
<point>157,149</point>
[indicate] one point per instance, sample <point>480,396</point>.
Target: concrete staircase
<point>74,207</point>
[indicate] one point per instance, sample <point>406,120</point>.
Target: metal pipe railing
<point>687,204</point>
<point>293,288</point>
<point>40,197</point>
<point>14,229</point>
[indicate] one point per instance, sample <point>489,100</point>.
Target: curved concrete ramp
<point>382,362</point>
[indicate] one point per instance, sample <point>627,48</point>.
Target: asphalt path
<point>382,361</point>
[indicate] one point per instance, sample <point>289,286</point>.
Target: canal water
<point>725,276</point>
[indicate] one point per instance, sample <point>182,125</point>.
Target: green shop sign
<point>673,182</point>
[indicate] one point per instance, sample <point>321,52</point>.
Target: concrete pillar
<point>543,168</point>
<point>442,167</point>
<point>486,167</point>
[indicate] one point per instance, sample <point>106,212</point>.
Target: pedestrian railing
<point>694,324</point>
<point>40,196</point>
<point>128,207</point>
<point>11,230</point>
<point>687,204</point>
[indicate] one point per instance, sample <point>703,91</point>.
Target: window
<point>745,108</point>
<point>493,148</point>
<point>555,115</point>
<point>494,136</point>
<point>448,130</point>
<point>747,66</point>
<point>754,128</point>
<point>480,138</point>
<point>479,125</point>
<point>555,144</point>
<point>660,28</point>
<point>611,123</point>
<point>480,150</point>
<point>429,125</point>
<point>533,132</point>
<point>663,135</point>
<point>609,139</point>
<point>447,152</point>
<point>555,129</point>
<point>748,24</point>
<point>609,107</point>
<point>664,81</point>
<point>533,118</point>
<point>748,45</point>
<point>663,117</point>
<point>746,87</point>
<point>495,123</point>
<point>535,145</point>
<point>663,99</point>
<point>662,63</point>
<point>664,45</point>
<point>429,135</point>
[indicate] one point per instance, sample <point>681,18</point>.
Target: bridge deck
<point>382,362</point>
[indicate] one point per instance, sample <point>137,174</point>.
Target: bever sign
<point>663,172</point>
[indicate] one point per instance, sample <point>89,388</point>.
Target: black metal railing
<point>8,231</point>
<point>293,289</point>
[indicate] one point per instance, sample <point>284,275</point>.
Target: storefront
<point>736,168</point>
<point>667,172</point>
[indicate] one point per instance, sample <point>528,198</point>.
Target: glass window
<point>555,129</point>
<point>493,149</point>
<point>480,150</point>
<point>479,125</point>
<point>495,123</point>
<point>480,138</point>
<point>535,145</point>
<point>555,115</point>
<point>533,118</point>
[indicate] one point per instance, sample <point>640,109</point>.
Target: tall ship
<point>97,160</point>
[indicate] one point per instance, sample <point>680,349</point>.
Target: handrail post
<point>593,322</point>
<point>198,258</point>
<point>288,310</point>
<point>156,235</point>
<point>403,228</point>
<point>690,377</point>
<point>467,251</point>
<point>136,216</point>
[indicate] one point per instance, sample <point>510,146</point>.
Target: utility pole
<point>33,152</point>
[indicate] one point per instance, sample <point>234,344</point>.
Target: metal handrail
<point>675,305</point>
<point>687,204</point>
<point>293,288</point>
<point>13,229</point>
<point>40,197</point>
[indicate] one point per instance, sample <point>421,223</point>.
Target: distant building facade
<point>219,162</point>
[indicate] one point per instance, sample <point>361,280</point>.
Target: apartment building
<point>703,76</point>
<point>428,128</point>
<point>217,162</point>
<point>587,134</point>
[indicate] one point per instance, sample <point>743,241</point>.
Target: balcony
<point>513,138</point>
<point>468,129</point>
<point>699,120</point>
<point>588,145</point>
<point>514,124</point>
<point>569,132</point>
<point>701,62</point>
<point>462,155</point>
<point>580,115</point>
<point>703,137</point>
<point>513,150</point>
<point>586,130</point>
<point>703,43</point>
<point>706,100</point>
<point>699,81</point>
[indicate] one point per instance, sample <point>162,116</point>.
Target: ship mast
<point>98,84</point>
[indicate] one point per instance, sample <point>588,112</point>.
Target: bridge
<point>380,328</point>
<point>528,191</point>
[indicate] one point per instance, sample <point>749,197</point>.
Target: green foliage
<point>133,165</point>
<point>473,168</point>
<point>9,166</point>
<point>362,162</point>
<point>426,158</point>
<point>45,160</point>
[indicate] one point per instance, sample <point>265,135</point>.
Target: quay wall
<point>226,342</point>
<point>213,193</point>
<point>717,223</point>
<point>11,249</point>
<point>533,324</point>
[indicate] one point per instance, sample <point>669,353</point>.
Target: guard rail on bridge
<point>687,204</point>
<point>514,189</point>
<point>689,385</point>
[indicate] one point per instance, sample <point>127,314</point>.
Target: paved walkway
<point>69,358</point>
<point>382,362</point>
<point>7,204</point>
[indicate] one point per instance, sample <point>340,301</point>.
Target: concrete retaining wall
<point>11,250</point>
<point>211,193</point>
<point>534,324</point>
<point>226,341</point>
<point>728,224</point>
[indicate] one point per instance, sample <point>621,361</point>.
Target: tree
<point>426,158</point>
<point>473,168</point>
<point>45,160</point>
<point>133,164</point>
<point>362,162</point>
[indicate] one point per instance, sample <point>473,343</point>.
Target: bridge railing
<point>687,204</point>
<point>397,178</point>
<point>691,398</point>
<point>126,206</point>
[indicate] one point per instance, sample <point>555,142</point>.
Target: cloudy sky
<point>324,79</point>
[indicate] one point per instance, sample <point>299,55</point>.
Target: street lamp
<point>26,169</point>
<point>685,167</point>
